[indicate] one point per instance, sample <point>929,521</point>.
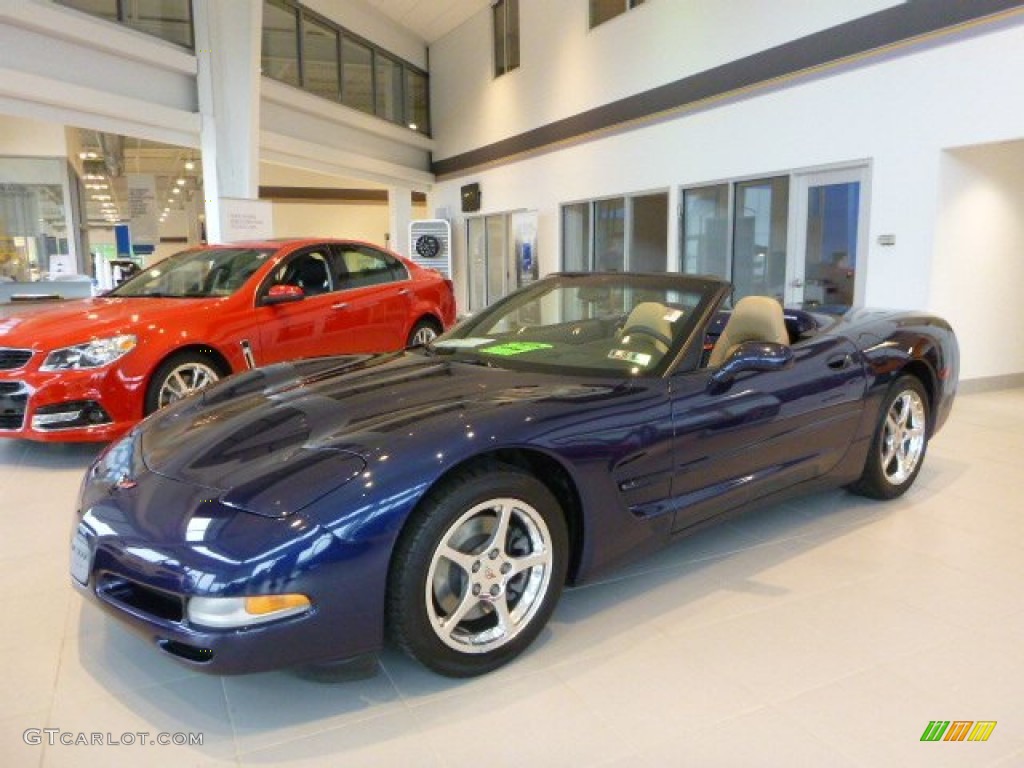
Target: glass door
<point>829,232</point>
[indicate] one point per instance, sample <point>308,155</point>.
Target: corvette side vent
<point>430,244</point>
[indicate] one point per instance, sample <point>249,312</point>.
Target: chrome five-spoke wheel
<point>489,576</point>
<point>903,437</point>
<point>896,452</point>
<point>477,570</point>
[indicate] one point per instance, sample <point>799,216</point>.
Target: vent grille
<point>13,358</point>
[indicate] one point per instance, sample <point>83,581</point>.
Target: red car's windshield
<point>197,274</point>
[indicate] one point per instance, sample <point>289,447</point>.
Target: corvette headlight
<point>234,612</point>
<point>91,354</point>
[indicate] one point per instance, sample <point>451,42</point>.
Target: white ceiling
<point>429,19</point>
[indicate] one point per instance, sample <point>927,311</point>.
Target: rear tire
<point>899,444</point>
<point>477,571</point>
<point>424,332</point>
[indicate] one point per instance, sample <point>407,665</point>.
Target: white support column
<point>399,216</point>
<point>228,34</point>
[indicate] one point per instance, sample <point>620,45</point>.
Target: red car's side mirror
<point>283,294</point>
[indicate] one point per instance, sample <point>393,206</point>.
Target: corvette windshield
<point>196,274</point>
<point>595,324</point>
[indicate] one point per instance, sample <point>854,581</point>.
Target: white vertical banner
<point>142,208</point>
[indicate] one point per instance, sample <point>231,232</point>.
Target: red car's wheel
<point>178,377</point>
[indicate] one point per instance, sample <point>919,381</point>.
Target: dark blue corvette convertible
<point>302,513</point>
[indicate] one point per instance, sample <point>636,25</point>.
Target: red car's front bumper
<point>68,406</point>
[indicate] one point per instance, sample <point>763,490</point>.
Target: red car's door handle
<point>340,305</point>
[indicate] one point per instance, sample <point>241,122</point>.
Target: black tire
<point>501,601</point>
<point>899,444</point>
<point>420,332</point>
<point>187,372</point>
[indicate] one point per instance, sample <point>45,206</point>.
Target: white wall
<point>567,68</point>
<point>978,274</point>
<point>368,221</point>
<point>897,113</point>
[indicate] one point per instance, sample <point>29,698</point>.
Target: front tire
<point>899,443</point>
<point>178,377</point>
<point>477,571</point>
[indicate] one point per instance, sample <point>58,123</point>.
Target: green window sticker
<point>516,348</point>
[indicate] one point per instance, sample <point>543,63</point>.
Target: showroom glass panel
<point>169,20</point>
<point>280,52</point>
<point>576,237</point>
<point>831,256</point>
<point>388,88</point>
<point>648,239</point>
<point>33,232</point>
<point>497,233</point>
<point>356,75</point>
<point>705,231</point>
<point>320,59</point>
<point>476,237</point>
<point>759,238</point>
<point>609,234</point>
<point>417,101</point>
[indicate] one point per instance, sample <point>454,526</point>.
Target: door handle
<point>340,305</point>
<point>839,363</point>
<point>404,292</point>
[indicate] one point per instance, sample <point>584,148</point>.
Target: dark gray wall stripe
<point>879,30</point>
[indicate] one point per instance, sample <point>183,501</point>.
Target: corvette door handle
<point>839,363</point>
<point>340,305</point>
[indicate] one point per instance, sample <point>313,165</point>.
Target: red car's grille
<point>13,399</point>
<point>13,358</point>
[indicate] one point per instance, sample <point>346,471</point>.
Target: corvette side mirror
<point>751,356</point>
<point>283,294</point>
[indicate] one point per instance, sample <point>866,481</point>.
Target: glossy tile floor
<point>826,632</point>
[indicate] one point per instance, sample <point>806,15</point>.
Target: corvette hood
<point>73,322</point>
<point>308,426</point>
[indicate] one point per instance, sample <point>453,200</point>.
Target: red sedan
<point>90,369</point>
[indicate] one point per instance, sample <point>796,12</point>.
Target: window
<point>320,59</point>
<point>739,231</point>
<point>357,75</point>
<point>280,52</point>
<point>619,233</point>
<point>417,101</point>
<point>603,10</point>
<point>361,266</point>
<point>169,20</point>
<point>388,88</point>
<point>506,36</point>
<point>304,49</point>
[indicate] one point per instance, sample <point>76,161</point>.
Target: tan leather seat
<point>754,318</point>
<point>648,322</point>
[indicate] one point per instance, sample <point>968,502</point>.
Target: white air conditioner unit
<point>430,244</point>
